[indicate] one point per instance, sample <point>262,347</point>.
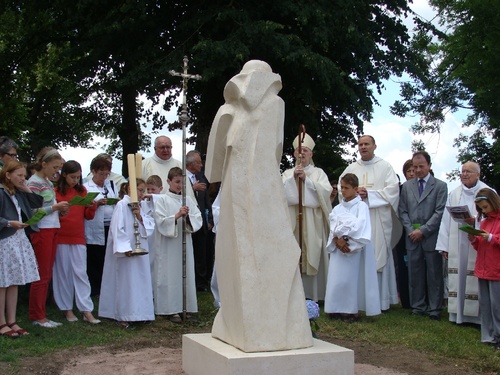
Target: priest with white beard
<point>463,304</point>
<point>316,207</point>
<point>379,189</point>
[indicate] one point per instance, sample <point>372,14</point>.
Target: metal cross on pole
<point>184,118</point>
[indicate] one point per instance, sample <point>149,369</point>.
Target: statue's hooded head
<point>251,85</point>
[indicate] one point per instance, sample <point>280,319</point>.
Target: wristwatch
<point>8,224</point>
<point>345,238</point>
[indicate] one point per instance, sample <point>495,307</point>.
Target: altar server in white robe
<point>352,275</point>
<point>316,206</point>
<point>379,189</point>
<point>463,303</point>
<point>126,294</point>
<point>167,266</point>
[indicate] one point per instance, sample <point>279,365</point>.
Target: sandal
<point>20,331</point>
<point>12,334</point>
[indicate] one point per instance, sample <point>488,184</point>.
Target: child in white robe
<point>167,266</point>
<point>154,187</point>
<point>126,294</point>
<point>352,275</point>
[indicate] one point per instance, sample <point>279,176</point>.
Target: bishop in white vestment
<point>316,207</point>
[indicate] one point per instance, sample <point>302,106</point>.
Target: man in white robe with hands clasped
<point>379,189</point>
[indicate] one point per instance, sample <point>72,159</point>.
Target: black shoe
<point>416,313</point>
<point>434,317</point>
<point>497,346</point>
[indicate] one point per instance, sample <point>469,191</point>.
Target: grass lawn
<point>395,329</point>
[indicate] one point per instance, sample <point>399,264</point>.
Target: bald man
<point>379,189</point>
<point>162,161</point>
<point>463,305</point>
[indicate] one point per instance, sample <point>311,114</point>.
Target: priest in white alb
<point>162,161</point>
<point>379,189</point>
<point>463,303</point>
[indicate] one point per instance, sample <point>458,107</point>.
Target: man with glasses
<point>162,161</point>
<point>8,150</point>
<point>463,305</point>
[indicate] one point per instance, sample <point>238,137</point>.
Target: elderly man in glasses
<point>463,305</point>
<point>162,161</point>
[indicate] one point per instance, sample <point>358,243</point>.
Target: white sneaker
<point>55,324</point>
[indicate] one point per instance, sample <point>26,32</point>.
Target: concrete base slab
<point>204,355</point>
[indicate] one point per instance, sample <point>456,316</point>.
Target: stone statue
<point>262,299</point>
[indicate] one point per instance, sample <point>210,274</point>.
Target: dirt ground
<point>137,360</point>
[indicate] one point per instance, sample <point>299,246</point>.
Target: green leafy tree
<point>462,56</point>
<point>331,56</point>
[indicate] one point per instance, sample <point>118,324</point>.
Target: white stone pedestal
<point>204,355</point>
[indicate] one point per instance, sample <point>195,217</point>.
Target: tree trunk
<point>129,131</point>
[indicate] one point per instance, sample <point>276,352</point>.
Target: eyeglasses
<point>103,174</point>
<point>469,172</point>
<point>14,156</point>
<point>164,147</point>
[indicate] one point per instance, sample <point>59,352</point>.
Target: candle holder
<point>138,249</point>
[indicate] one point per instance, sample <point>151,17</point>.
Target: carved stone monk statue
<point>262,299</point>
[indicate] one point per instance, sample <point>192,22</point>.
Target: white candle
<point>138,165</point>
<point>132,178</point>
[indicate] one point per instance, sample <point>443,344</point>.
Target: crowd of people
<point>367,240</point>
<point>387,242</point>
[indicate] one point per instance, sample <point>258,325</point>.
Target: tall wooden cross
<point>184,118</point>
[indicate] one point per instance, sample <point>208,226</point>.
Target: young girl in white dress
<point>17,260</point>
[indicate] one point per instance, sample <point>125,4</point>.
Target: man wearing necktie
<point>203,250</point>
<point>421,207</point>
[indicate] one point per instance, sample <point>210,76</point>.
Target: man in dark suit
<point>201,238</point>
<point>421,207</point>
